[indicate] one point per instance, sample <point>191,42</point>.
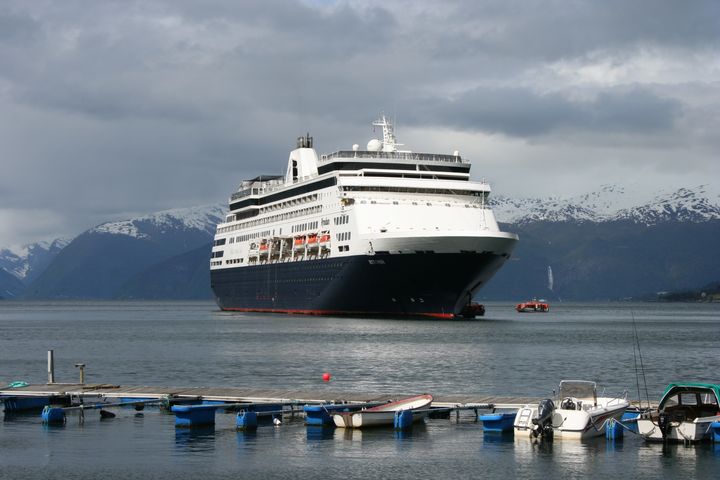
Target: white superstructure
<point>365,210</point>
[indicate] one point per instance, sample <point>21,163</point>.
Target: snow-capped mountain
<point>28,261</point>
<point>613,203</point>
<point>203,218</point>
<point>99,262</point>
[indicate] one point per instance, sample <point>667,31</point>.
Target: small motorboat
<point>577,413</point>
<point>533,305</point>
<point>685,413</point>
<point>472,310</point>
<point>384,414</point>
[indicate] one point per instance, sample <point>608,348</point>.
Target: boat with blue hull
<point>380,231</point>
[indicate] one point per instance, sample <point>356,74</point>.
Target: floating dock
<point>197,406</point>
<point>76,392</point>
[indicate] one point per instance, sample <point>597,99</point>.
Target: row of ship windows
<point>217,254</point>
<point>423,191</point>
<point>290,203</point>
<point>343,236</point>
<point>429,204</point>
<point>274,218</point>
<point>305,226</point>
<point>216,264</point>
<point>249,236</point>
<point>342,219</point>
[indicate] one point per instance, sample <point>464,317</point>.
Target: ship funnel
<point>305,142</point>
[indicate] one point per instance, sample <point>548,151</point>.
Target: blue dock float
<point>53,415</point>
<point>24,403</point>
<point>194,415</point>
<point>322,414</point>
<point>614,430</point>
<point>204,413</point>
<point>403,419</point>
<point>715,429</point>
<point>629,419</point>
<point>246,421</point>
<point>497,422</point>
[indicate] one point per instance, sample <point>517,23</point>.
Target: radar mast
<point>389,144</point>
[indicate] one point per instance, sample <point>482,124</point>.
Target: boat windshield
<point>702,398</point>
<point>577,389</point>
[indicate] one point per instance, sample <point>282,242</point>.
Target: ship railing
<point>258,188</point>
<point>409,156</point>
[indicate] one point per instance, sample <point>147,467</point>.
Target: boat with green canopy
<point>685,413</point>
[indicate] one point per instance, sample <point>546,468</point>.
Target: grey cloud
<point>522,112</point>
<point>18,29</point>
<point>114,107</point>
<point>553,29</point>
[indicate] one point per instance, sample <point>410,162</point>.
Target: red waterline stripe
<point>338,312</point>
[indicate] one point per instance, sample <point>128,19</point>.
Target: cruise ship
<point>381,231</point>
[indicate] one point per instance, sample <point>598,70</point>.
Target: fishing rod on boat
<point>637,377</point>
<point>642,366</point>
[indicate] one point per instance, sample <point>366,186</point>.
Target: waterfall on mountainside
<point>550,278</point>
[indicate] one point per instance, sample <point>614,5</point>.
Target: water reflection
<point>418,432</point>
<point>246,438</point>
<point>316,433</point>
<point>491,438</point>
<point>197,439</point>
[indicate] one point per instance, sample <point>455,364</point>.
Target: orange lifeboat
<point>264,246</point>
<point>312,238</point>
<point>299,241</point>
<point>325,237</point>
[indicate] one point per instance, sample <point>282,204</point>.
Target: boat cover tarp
<point>674,388</point>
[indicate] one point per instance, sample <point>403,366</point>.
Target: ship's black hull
<point>436,285</point>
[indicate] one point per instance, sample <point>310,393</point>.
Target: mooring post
<point>51,366</point>
<point>81,366</point>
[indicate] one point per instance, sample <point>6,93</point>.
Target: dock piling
<point>81,366</point>
<point>51,366</point>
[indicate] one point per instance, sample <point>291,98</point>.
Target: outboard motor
<point>543,422</point>
<point>664,424</point>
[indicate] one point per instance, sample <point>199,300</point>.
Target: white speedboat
<point>385,414</point>
<point>577,413</point>
<point>685,414</point>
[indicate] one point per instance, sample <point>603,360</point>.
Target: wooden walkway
<point>114,392</point>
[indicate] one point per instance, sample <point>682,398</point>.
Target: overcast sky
<point>110,109</point>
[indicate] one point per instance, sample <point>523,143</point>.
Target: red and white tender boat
<point>533,305</point>
<point>384,414</point>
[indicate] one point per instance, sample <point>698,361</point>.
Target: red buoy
<point>326,377</point>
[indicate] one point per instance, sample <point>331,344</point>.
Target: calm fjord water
<point>194,344</point>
